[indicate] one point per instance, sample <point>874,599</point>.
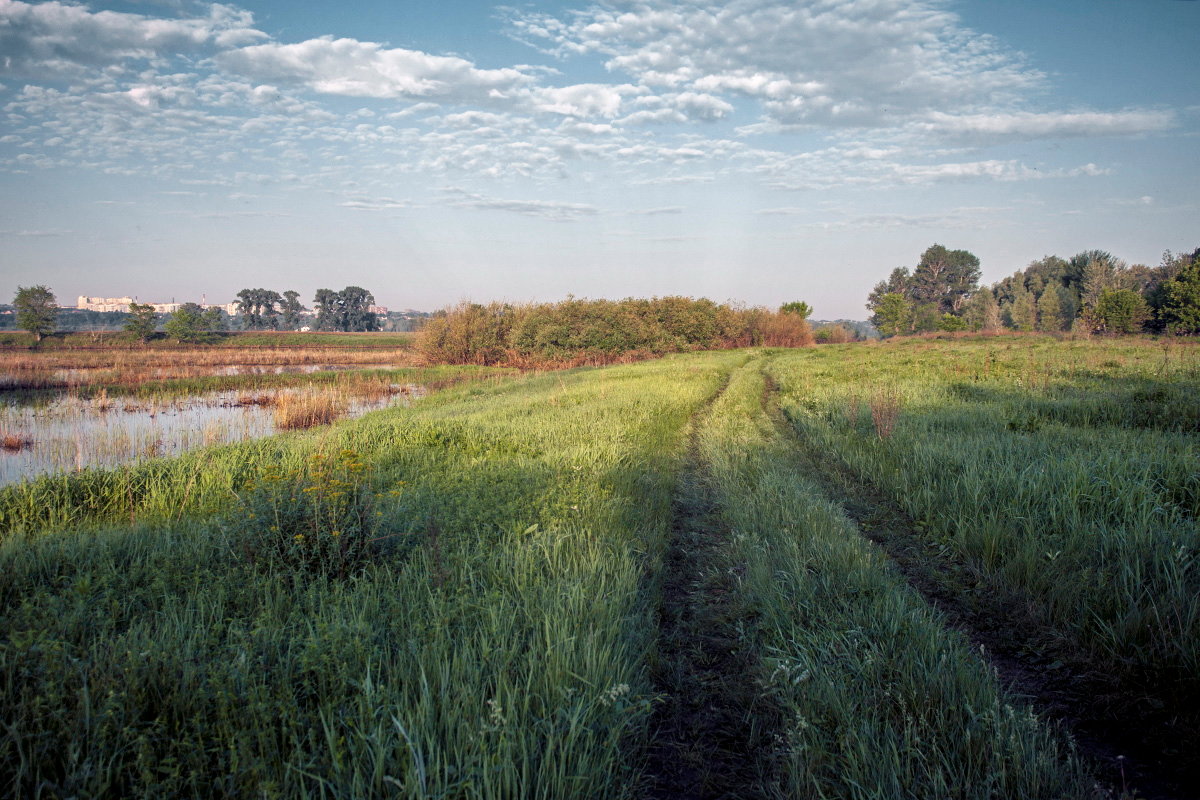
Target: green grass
<point>461,598</point>
<point>1064,472</point>
<point>878,699</point>
<point>158,660</point>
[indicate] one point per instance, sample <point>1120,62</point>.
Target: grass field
<point>829,572</point>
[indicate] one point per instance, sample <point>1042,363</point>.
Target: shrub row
<point>601,331</point>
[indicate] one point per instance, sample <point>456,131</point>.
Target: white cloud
<point>852,62</point>
<point>367,69</point>
<point>558,211</point>
<point>1025,124</point>
<point>652,212</point>
<point>583,99</point>
<point>57,38</point>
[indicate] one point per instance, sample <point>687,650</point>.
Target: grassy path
<point>1014,641</point>
<point>712,732</point>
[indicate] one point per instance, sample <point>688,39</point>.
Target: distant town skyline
<point>753,150</point>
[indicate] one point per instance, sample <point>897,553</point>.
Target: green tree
<point>1049,308</point>
<point>141,321</point>
<point>893,314</point>
<point>1119,311</point>
<point>347,310</point>
<point>36,310</point>
<point>1023,310</point>
<point>950,322</point>
<point>1180,310</point>
<point>291,308</point>
<point>945,278</point>
<point>981,312</point>
<point>187,324</point>
<point>214,320</point>
<point>801,308</point>
<point>257,308</point>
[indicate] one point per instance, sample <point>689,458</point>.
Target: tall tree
<point>1119,311</point>
<point>945,278</point>
<point>1023,310</point>
<point>347,310</point>
<point>36,310</point>
<point>291,308</point>
<point>1180,310</point>
<point>1049,309</point>
<point>981,311</point>
<point>326,304</point>
<point>257,308</point>
<point>893,314</point>
<point>141,321</point>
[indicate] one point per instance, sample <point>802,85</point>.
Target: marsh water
<point>71,433</point>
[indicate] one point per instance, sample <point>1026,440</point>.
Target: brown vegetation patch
<point>14,442</point>
<point>294,411</point>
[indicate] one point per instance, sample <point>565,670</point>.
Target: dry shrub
<point>885,410</point>
<point>293,411</point>
<point>14,442</point>
<point>256,400</point>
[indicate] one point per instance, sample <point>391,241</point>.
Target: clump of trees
<point>347,310</point>
<point>1092,292</point>
<point>579,331</point>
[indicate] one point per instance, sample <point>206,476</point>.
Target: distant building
<point>122,304</point>
<point>380,310</point>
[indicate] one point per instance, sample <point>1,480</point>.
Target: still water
<point>72,434</point>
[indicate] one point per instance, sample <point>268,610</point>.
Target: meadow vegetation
<point>490,593</point>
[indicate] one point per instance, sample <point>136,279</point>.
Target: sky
<point>754,151</point>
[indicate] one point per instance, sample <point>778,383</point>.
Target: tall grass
<point>484,658</point>
<point>1066,473</point>
<point>878,699</point>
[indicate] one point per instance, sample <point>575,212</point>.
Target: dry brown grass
<point>306,409</point>
<point>885,410</point>
<point>256,400</point>
<point>14,442</point>
<point>50,369</point>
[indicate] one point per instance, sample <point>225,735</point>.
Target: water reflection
<point>71,433</point>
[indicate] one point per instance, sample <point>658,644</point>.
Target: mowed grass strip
<point>485,633</point>
<point>875,697</point>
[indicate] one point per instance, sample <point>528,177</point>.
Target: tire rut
<point>709,737</point>
<point>1109,723</point>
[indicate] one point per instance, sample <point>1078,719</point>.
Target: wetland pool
<point>71,434</point>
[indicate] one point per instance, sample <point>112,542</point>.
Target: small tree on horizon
<point>186,324</point>
<point>141,321</point>
<point>799,307</point>
<point>36,309</point>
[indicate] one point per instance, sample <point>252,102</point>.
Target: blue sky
<point>750,150</point>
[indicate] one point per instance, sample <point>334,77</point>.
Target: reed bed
<point>306,409</point>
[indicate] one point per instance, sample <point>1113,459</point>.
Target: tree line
<point>1092,292</point>
<point>602,331</point>
<point>36,311</point>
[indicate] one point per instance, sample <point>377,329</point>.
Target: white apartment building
<point>122,304</point>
